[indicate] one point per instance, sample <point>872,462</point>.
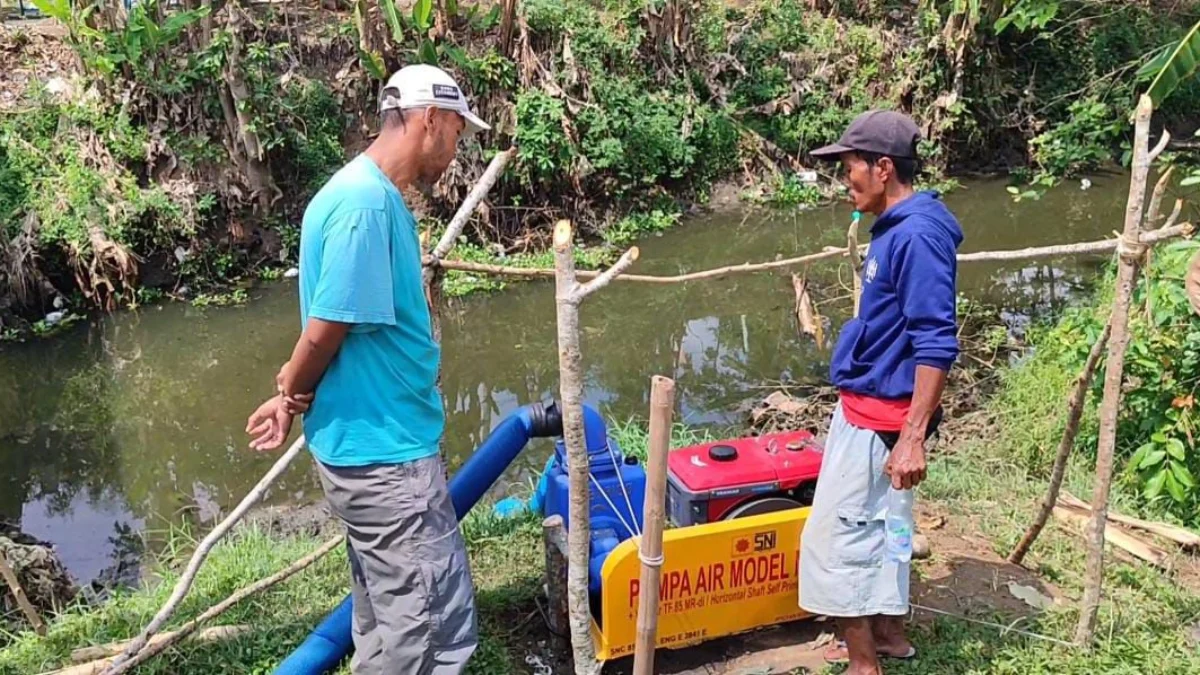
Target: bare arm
<point>927,395</point>
<point>314,351</point>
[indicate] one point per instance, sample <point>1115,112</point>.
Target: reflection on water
<point>135,422</point>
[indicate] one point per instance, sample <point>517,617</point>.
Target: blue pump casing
<point>613,518</point>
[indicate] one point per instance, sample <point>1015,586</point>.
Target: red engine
<point>742,477</point>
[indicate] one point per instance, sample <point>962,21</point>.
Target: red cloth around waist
<point>876,414</point>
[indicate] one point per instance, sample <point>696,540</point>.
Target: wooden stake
<point>662,406</point>
<point>1131,253</point>
<point>1074,413</point>
<point>14,585</point>
<point>568,296</point>
<point>554,540</point>
<point>193,567</point>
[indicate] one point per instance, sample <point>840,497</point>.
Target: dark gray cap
<point>883,132</point>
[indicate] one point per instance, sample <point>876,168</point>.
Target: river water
<point>134,422</point>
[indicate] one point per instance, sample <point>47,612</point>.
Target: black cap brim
<point>831,151</point>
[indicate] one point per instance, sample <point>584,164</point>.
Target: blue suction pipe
<point>331,641</point>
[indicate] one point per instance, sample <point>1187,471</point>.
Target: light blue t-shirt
<point>360,263</point>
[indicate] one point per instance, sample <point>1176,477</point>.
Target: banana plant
<point>411,31</point>
<point>1173,66</point>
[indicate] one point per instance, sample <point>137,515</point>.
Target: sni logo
<point>764,541</point>
<point>872,269</point>
<point>756,543</point>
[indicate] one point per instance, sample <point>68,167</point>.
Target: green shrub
<point>1157,426</point>
<point>635,225</point>
<point>1081,143</point>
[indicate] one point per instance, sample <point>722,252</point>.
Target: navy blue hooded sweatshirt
<point>907,312</point>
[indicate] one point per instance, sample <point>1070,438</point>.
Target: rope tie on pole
<point>656,561</point>
<point>1131,250</point>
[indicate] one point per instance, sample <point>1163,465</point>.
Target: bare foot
<point>836,652</point>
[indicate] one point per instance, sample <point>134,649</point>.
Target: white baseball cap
<point>423,86</point>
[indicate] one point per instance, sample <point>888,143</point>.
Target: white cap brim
<point>474,124</point>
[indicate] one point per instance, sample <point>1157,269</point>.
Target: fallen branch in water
<point>806,314</point>
<point>121,663</point>
<point>1088,247</point>
<point>167,640</point>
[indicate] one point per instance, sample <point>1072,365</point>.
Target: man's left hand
<point>906,463</point>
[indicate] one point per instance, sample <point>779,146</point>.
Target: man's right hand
<point>298,404</point>
<point>269,425</point>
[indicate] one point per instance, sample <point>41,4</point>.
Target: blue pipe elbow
<point>332,640</point>
<point>325,647</point>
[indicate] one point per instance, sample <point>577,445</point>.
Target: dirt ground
<point>962,576</point>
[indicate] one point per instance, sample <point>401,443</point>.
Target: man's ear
<point>887,169</point>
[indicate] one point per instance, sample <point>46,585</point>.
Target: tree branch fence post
<point>569,294</point>
<point>1130,252</point>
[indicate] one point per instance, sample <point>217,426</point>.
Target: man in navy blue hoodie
<point>890,368</point>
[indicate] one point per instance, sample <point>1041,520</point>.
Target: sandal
<point>840,646</point>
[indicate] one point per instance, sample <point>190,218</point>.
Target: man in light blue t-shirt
<point>364,372</point>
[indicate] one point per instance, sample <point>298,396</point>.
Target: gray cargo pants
<point>414,603</point>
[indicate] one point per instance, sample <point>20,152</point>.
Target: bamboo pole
<point>1082,248</point>
<point>662,406</point>
<point>569,293</point>
<point>216,610</point>
<point>1065,445</point>
<point>14,585</point>
<point>200,555</point>
<point>1131,253</point>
